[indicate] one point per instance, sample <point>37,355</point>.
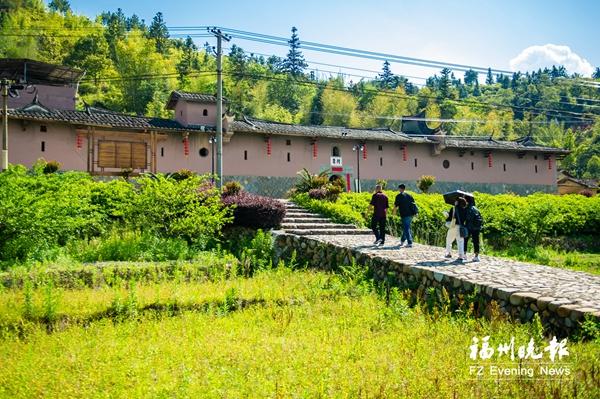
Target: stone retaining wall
<point>557,315</point>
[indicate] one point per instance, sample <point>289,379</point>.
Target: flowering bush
<point>255,211</point>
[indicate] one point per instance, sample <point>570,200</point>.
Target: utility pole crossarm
<point>220,37</point>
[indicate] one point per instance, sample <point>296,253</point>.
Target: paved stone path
<point>560,287</point>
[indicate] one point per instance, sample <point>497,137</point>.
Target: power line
<point>277,40</point>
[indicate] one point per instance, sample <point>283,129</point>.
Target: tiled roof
<point>248,125</point>
<point>485,143</point>
<point>95,117</point>
<point>191,97</point>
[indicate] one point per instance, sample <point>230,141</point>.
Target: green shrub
<point>190,209</point>
<point>232,188</point>
<point>51,167</point>
<point>130,246</point>
<point>338,212</point>
<point>41,212</point>
<point>425,183</point>
<point>182,174</point>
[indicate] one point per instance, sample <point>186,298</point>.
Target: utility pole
<point>5,85</point>
<point>358,148</point>
<point>220,37</point>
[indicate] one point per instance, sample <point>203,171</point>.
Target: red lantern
<point>186,146</point>
<point>364,151</point>
<point>315,149</point>
<point>268,140</point>
<point>490,160</point>
<point>404,153</point>
<point>550,162</point>
<point>79,141</point>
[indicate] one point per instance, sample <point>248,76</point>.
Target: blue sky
<point>480,33</point>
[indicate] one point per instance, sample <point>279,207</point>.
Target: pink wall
<point>25,145</point>
<point>188,113</point>
<point>60,144</point>
<point>518,171</point>
<point>58,97</point>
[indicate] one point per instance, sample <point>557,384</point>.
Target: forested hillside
<point>132,65</point>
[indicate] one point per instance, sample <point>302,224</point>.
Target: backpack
<point>474,219</point>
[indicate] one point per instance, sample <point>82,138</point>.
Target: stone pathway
<point>516,282</point>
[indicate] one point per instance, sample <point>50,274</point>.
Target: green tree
<point>159,33</point>
<point>61,6</point>
<point>470,77</point>
<point>596,74</point>
<point>316,108</point>
<point>386,79</point>
<point>294,63</point>
<point>489,79</point>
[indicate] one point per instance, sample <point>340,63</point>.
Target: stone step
<point>294,207</point>
<point>305,220</point>
<point>292,226</point>
<point>301,215</point>
<point>308,232</point>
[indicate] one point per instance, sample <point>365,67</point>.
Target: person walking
<point>405,205</point>
<point>379,204</point>
<point>474,223</point>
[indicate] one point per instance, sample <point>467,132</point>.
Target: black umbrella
<point>452,196</point>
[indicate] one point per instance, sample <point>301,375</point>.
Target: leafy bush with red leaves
<point>317,193</point>
<point>255,211</point>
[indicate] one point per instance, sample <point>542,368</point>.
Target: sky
<point>506,35</point>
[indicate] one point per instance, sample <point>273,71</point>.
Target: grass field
<point>281,333</point>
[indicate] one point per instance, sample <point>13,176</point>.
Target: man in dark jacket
<point>379,202</point>
<point>405,204</point>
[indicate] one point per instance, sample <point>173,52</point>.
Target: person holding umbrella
<point>457,218</point>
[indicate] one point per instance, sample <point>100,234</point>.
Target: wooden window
<point>121,155</point>
<point>288,142</point>
<point>446,164</point>
<point>380,148</point>
<point>43,128</point>
<point>205,112</point>
<point>43,146</point>
<point>245,155</point>
<point>335,152</point>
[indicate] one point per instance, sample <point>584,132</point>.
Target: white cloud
<point>535,57</point>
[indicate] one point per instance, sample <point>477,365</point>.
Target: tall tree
<point>159,32</point>
<point>61,6</point>
<point>116,26</point>
<point>294,63</point>
<point>386,79</point>
<point>470,77</point>
<point>316,108</point>
<point>489,80</point>
<point>135,22</point>
<point>444,82</point>
<point>189,59</point>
